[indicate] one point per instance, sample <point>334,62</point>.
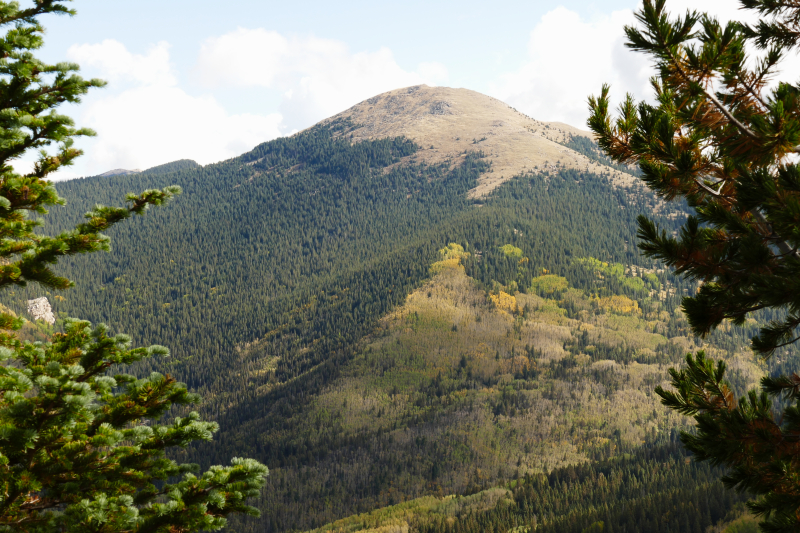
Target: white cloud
<point>317,77</point>
<point>22,166</point>
<point>145,119</point>
<point>728,11</point>
<point>570,58</point>
<point>118,66</point>
<point>149,125</point>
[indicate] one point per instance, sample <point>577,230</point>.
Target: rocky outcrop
<point>39,308</point>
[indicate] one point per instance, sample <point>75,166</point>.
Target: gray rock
<point>39,308</point>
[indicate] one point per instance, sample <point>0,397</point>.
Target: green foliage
<point>652,280</point>
<point>719,137</point>
<point>616,272</point>
<point>549,284</point>
<point>745,524</point>
<point>79,448</point>
<point>75,455</point>
<point>511,251</point>
<point>743,435</point>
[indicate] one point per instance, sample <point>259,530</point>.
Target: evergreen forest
<point>400,354</point>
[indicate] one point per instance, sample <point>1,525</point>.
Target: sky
<point>210,80</point>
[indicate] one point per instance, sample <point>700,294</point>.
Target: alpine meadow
<point>427,313</point>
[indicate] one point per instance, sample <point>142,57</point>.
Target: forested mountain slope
<point>654,488</point>
<point>310,291</point>
<point>460,389</point>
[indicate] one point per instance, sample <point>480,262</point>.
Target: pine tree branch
<point>720,107</point>
<point>787,343</point>
<point>708,189</point>
<point>754,94</point>
<point>727,114</point>
<point>782,245</point>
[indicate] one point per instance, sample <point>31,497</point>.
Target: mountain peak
<point>445,122</point>
<point>118,172</point>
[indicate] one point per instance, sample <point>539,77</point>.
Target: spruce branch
<point>724,152</point>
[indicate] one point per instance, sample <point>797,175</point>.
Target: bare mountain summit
<point>445,122</point>
<point>118,172</point>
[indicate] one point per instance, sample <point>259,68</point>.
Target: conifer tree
<point>81,449</point>
<point>720,137</point>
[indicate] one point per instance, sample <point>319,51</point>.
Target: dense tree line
<point>269,270</point>
<point>306,240</point>
<point>654,488</point>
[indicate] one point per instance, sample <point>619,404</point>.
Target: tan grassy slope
<point>445,122</point>
<point>440,381</point>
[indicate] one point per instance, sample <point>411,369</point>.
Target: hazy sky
<point>209,80</point>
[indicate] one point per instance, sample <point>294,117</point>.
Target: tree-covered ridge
<point>589,148</point>
<point>307,239</point>
<point>653,488</point>
<point>271,268</point>
<point>173,166</point>
<point>457,391</point>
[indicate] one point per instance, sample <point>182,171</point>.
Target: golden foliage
<point>451,258</point>
<point>438,266</point>
<point>505,302</point>
<point>618,304</point>
<point>453,251</point>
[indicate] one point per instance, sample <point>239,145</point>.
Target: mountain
<point>118,172</point>
<point>380,321</point>
<point>167,167</point>
<point>449,123</point>
<point>181,164</point>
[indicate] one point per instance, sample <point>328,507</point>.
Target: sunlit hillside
<point>380,321</point>
<point>461,388</point>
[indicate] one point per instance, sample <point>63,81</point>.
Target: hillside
<point>461,388</point>
<point>449,123</point>
<point>378,321</point>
